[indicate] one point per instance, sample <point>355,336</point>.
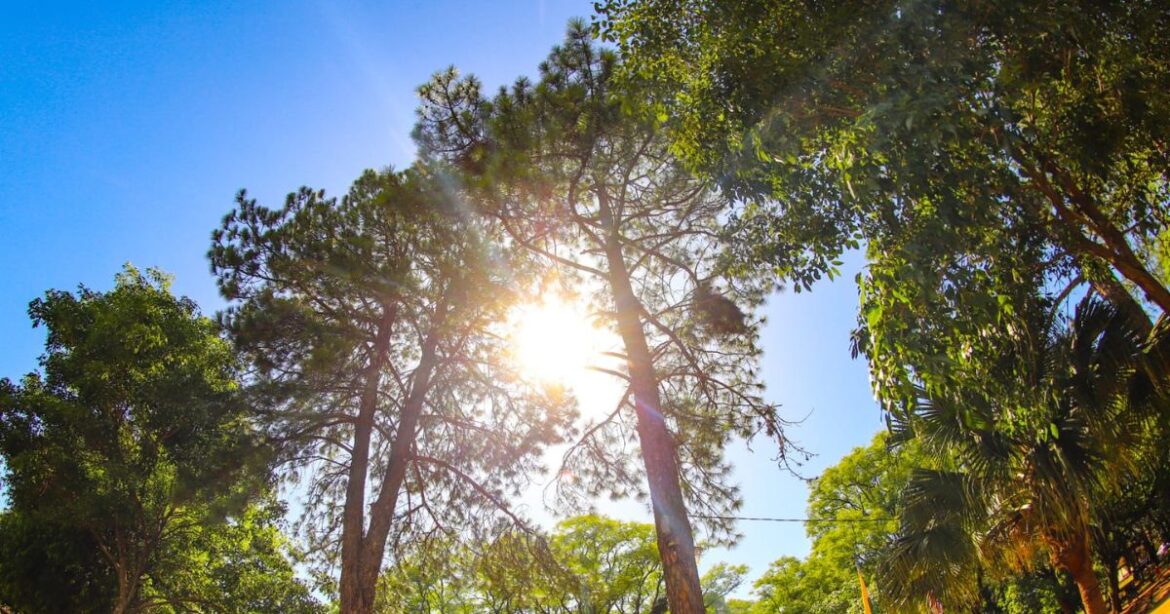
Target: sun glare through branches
<point>555,344</point>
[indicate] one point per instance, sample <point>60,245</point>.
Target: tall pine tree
<point>574,173</point>
<point>372,324</point>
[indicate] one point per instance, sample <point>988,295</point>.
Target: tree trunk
<point>676,545</point>
<point>1074,555</point>
<point>353,523</point>
<point>128,567</point>
<point>359,581</point>
<point>382,510</point>
<point>1082,220</point>
<point>1114,585</point>
<point>1090,589</point>
<point>127,591</point>
<point>354,599</point>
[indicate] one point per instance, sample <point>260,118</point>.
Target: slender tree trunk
<point>353,521</point>
<point>1151,551</point>
<point>1114,585</point>
<point>676,546</point>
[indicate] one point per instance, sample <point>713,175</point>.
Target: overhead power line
<point>801,520</point>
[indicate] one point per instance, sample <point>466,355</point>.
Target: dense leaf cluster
<point>129,459</point>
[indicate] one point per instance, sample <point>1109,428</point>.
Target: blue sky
<point>126,130</point>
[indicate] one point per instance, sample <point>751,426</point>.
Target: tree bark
<point>1081,219</point>
<point>355,600</point>
<point>1114,584</point>
<point>676,546</point>
<point>1074,554</point>
<point>127,591</point>
<point>382,510</point>
<point>129,565</point>
<point>367,546</point>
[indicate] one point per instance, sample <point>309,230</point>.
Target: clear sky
<point>126,129</point>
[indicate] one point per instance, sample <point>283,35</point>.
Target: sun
<point>556,344</point>
<point>553,342</point>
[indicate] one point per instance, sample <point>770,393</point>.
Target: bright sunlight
<point>554,343</point>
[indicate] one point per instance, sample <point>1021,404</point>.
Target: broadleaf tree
<point>132,433</point>
<point>587,563</point>
<point>854,509</point>
<point>974,149</point>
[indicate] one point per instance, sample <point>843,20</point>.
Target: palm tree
<point>1019,470</point>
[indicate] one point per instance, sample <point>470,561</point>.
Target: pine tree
<point>371,321</point>
<point>575,173</point>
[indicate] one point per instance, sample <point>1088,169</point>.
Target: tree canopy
<point>130,446</point>
<point>587,563</point>
<point>576,175</point>
<point>1004,168</point>
<point>374,324</point>
<point>974,150</point>
<point>1027,467</point>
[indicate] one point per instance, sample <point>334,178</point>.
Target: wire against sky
<point>805,520</point>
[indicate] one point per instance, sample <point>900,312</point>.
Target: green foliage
<point>861,500</point>
<point>520,572</point>
<point>588,563</point>
<point>429,577</point>
<point>856,503</point>
<point>242,565</point>
<point>740,606</point>
<point>792,585</point>
<point>975,150</point>
<point>1029,593</point>
<point>48,567</point>
<point>375,324</point>
<point>577,175</point>
<point>239,564</point>
<point>133,428</point>
<point>720,581</point>
<point>571,168</point>
<point>615,563</point>
<point>1031,468</point>
<point>994,160</point>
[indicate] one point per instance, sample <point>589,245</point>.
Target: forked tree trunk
<point>127,558</point>
<point>355,598</point>
<point>676,545</point>
<point>127,591</point>
<point>364,548</point>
